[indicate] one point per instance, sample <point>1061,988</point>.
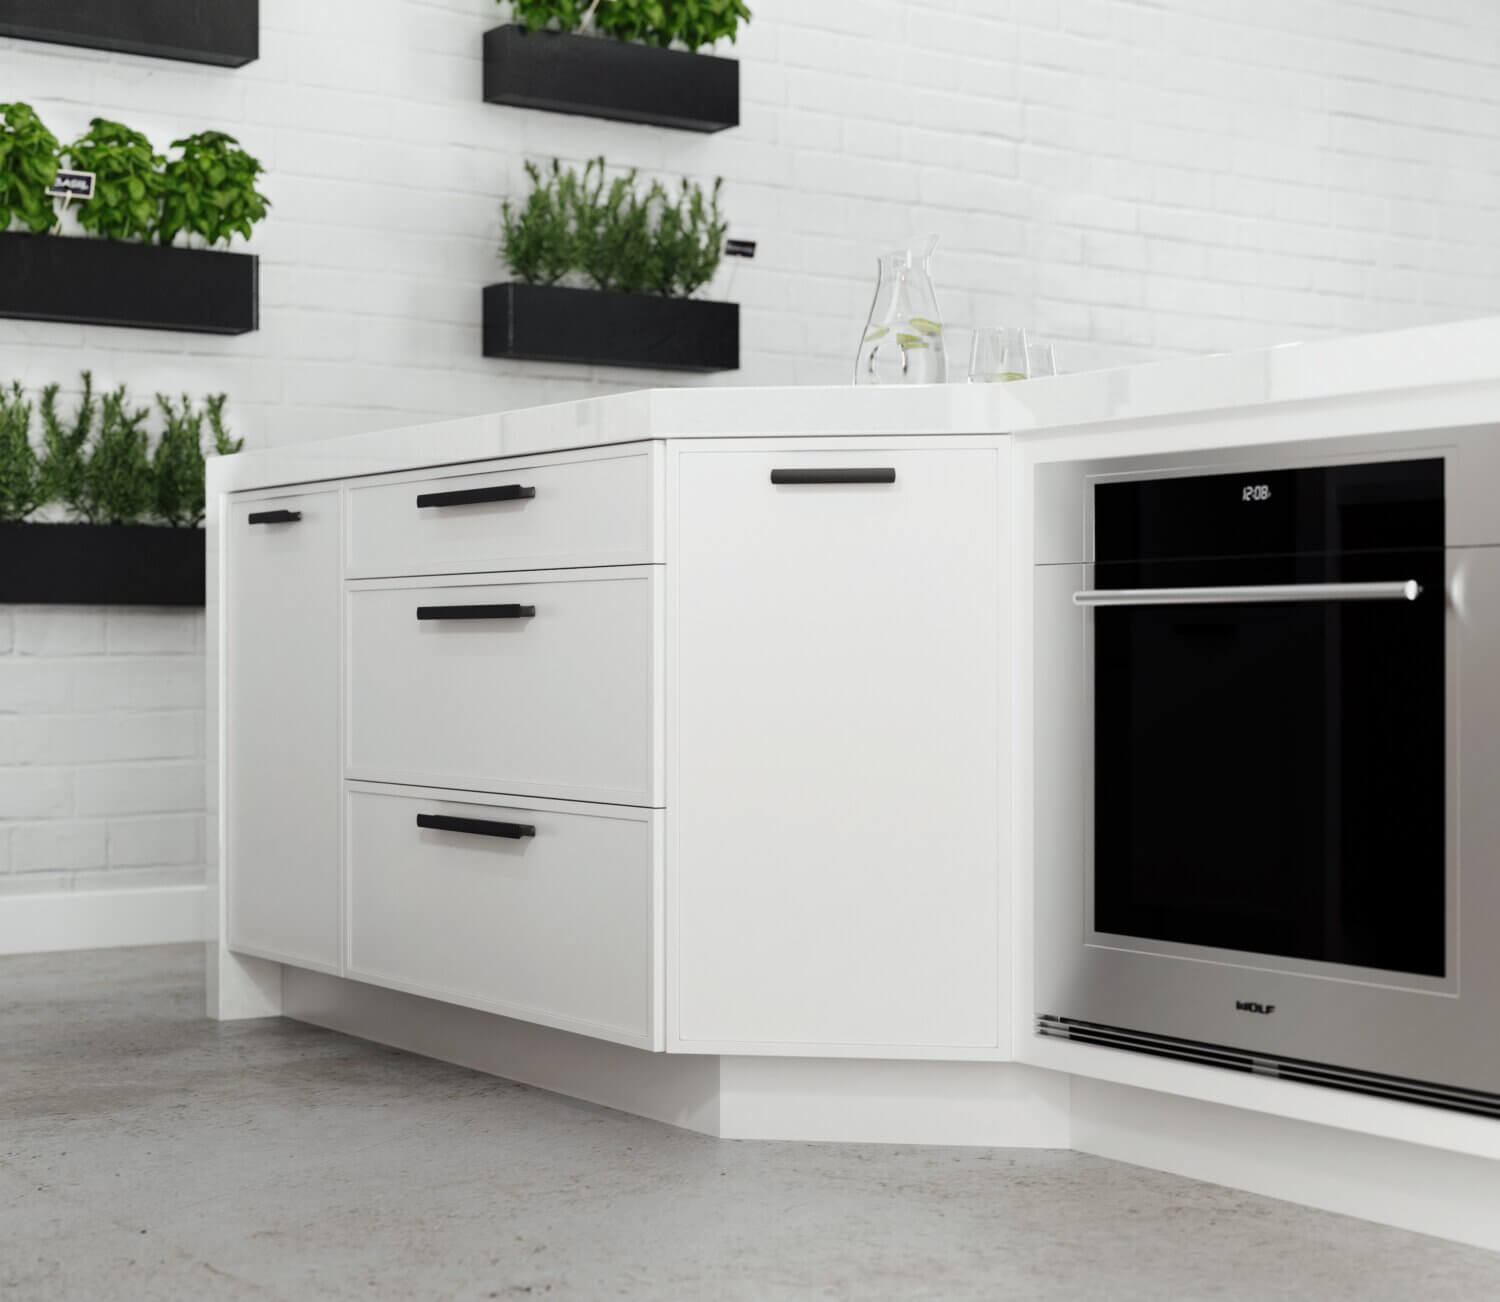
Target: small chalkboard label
<point>740,248</point>
<point>72,185</point>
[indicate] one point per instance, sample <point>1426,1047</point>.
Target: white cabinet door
<point>837,697</point>
<point>282,731</point>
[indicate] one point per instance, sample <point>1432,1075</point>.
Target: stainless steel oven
<point>1268,761</point>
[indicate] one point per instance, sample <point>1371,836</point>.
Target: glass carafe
<point>903,340</point>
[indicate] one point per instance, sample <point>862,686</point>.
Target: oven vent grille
<point>1293,1069</point>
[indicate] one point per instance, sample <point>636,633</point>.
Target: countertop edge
<point>1433,360</point>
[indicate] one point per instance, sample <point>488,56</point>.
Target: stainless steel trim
<point>1409,590</point>
<point>1405,1089</point>
<point>1353,1019</point>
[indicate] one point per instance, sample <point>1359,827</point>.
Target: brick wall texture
<point>1135,178</point>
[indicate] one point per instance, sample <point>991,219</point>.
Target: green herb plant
<point>128,181</point>
<point>99,466</point>
<point>224,445</point>
<point>688,239</point>
<point>20,476</point>
<point>63,446</point>
<point>653,22</point>
<point>551,15</point>
<point>210,190</point>
<point>702,22</point>
<point>692,23</point>
<point>614,226</point>
<point>614,234</point>
<point>539,238</point>
<point>117,481</point>
<point>28,165</point>
<point>177,464</point>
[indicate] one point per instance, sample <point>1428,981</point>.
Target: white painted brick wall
<point>101,747</point>
<point>1135,177</point>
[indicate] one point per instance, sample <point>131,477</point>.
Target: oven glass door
<point>1269,775</point>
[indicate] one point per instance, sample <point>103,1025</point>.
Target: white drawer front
<point>594,510</point>
<point>557,927</point>
<point>557,702</point>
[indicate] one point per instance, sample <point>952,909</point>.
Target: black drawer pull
<point>837,475</point>
<point>275,517</point>
<point>475,612</point>
<point>475,826</point>
<point>474,496</point>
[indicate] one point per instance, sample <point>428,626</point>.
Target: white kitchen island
<point>671,751</point>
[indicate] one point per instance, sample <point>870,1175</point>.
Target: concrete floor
<point>146,1152</point>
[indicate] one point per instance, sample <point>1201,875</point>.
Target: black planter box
<point>222,32</point>
<point>111,282</point>
<point>101,564</point>
<point>546,323</point>
<point>603,78</point>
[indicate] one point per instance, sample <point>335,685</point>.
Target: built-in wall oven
<point>1268,761</point>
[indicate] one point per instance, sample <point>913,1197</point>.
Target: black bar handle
<point>837,475</point>
<point>275,517</point>
<point>474,496</point>
<point>475,826</point>
<point>475,612</point>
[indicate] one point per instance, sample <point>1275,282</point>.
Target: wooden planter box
<point>603,78</point>
<point>546,323</point>
<point>111,282</point>
<point>221,32</point>
<point>101,564</point>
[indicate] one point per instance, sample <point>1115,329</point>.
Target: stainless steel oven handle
<point>1409,590</point>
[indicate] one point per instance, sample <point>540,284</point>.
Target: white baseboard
<point>679,1090</point>
<point>1429,1190</point>
<point>102,919</point>
<point>833,1100</point>
<point>894,1101</point>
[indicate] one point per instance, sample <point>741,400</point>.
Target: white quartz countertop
<point>1432,359</point>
